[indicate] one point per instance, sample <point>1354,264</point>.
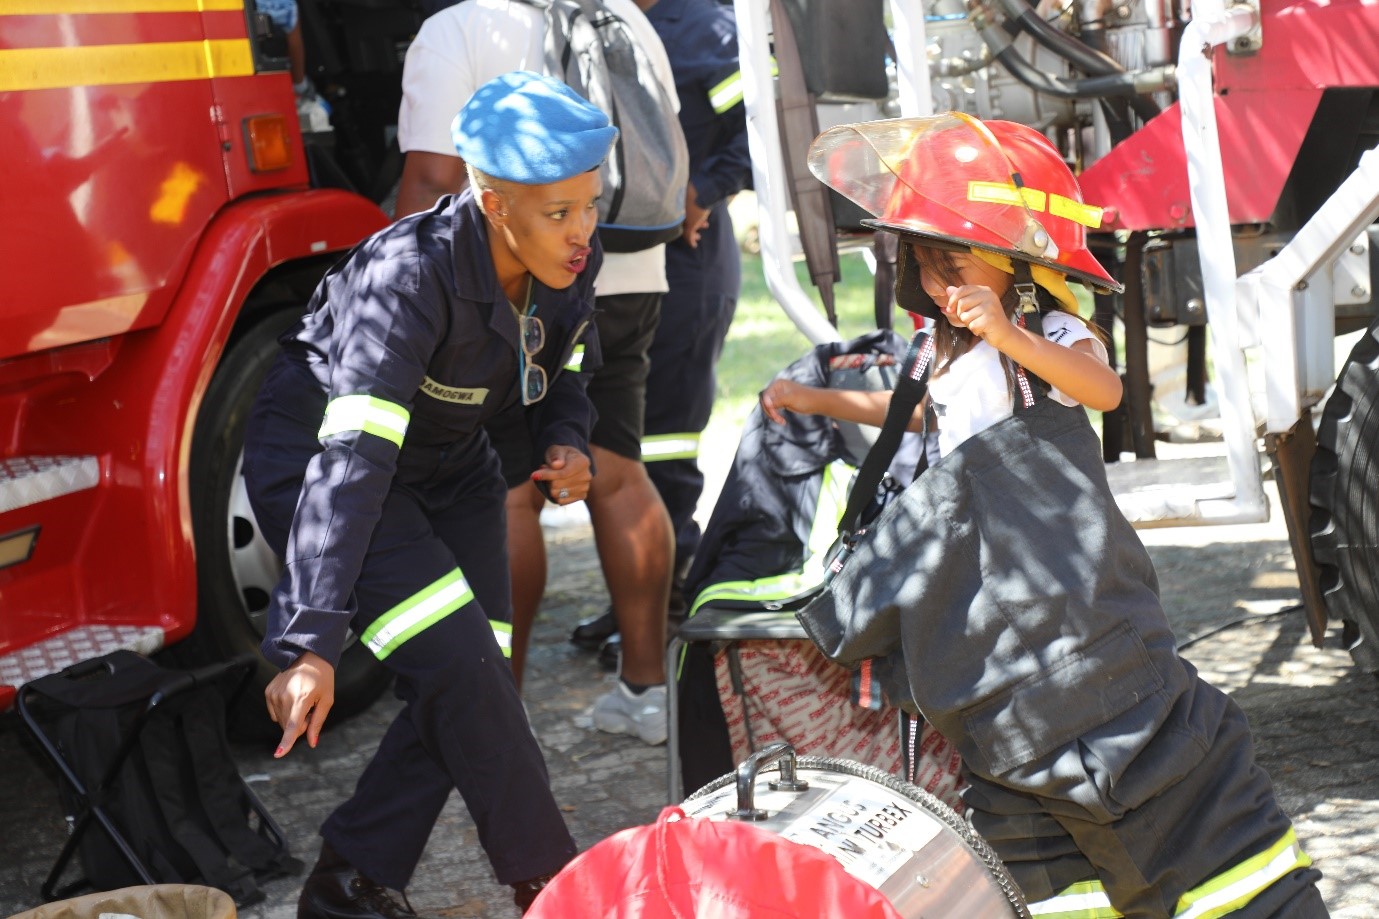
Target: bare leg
<point>636,545</point>
<point>527,562</point>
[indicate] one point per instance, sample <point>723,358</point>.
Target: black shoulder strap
<point>221,791</point>
<point>909,390</point>
<point>173,788</point>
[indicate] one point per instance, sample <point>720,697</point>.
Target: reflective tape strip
<point>1219,896</point>
<point>109,65</point>
<point>1232,889</point>
<point>418,612</point>
<point>1083,900</point>
<point>726,94</point>
<point>1004,193</point>
<point>365,413</point>
<point>1059,206</point>
<point>503,632</point>
<point>1086,214</point>
<point>61,7</point>
<point>657,447</point>
<point>576,359</point>
<point>828,510</point>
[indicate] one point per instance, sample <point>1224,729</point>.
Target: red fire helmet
<point>956,180</point>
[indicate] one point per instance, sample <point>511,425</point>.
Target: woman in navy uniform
<point>369,470</point>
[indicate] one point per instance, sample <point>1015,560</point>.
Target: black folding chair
<point>118,680</point>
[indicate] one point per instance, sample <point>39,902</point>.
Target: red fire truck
<point>161,221</point>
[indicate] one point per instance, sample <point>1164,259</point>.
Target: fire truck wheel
<point>1345,503</point>
<point>236,570</point>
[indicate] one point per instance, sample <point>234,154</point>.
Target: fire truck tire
<point>235,568</point>
<point>1345,503</point>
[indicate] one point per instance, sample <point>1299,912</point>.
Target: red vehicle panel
<point>135,231</point>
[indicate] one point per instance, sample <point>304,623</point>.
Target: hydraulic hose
<point>1128,84</point>
<point>1092,61</point>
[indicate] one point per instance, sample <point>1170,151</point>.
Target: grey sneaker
<point>620,712</point>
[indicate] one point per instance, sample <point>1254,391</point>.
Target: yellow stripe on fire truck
<point>108,65</point>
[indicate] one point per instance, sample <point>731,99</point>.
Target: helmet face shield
<point>953,179</point>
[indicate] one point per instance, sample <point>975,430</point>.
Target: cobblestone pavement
<point>1311,711</point>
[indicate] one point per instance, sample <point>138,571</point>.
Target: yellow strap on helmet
<point>1055,282</point>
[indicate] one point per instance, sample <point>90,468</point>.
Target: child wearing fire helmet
<point>1003,596</point>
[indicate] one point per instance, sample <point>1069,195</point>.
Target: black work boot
<point>335,890</point>
<point>524,894</point>
<point>590,634</point>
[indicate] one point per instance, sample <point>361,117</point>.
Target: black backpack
<point>177,800</point>
<point>595,52</point>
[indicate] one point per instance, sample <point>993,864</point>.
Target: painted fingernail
<point>280,751</point>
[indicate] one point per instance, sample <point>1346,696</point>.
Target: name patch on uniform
<point>453,393</point>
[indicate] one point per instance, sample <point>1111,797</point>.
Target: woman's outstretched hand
<point>299,699</point>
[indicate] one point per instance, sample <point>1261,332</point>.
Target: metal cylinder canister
<point>910,846</point>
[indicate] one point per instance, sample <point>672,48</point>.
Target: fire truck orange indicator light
<point>265,139</point>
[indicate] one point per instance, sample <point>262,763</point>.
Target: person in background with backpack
<point>703,271</point>
<point>368,469</point>
<point>455,51</point>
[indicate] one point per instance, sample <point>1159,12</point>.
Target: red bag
<point>687,868</point>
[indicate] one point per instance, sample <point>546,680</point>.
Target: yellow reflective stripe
<point>1059,206</point>
<point>726,93</point>
<point>828,510</point>
<point>1083,900</point>
<point>576,359</point>
<point>657,447</point>
<point>109,65</point>
<point>503,632</point>
<point>60,7</point>
<point>418,612</point>
<point>1005,193</point>
<point>1232,889</point>
<point>1086,214</point>
<point>365,413</point>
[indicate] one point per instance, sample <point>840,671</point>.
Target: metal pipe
<point>768,173</point>
<point>1210,26</point>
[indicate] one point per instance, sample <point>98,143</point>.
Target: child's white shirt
<point>972,395</point>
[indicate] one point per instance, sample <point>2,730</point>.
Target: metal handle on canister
<point>747,779</point>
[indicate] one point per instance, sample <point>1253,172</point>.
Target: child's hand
<point>978,309</point>
<point>784,396</point>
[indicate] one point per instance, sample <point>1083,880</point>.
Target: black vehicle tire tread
<point>1344,525</point>
<point>223,629</point>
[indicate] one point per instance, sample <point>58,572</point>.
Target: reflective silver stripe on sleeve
<point>365,413</point>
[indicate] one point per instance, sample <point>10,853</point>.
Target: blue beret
<point>527,128</point>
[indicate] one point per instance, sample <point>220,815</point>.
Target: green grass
<point>763,340</point>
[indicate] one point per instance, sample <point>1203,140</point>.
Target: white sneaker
<point>620,712</point>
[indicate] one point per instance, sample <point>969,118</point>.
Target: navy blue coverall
<point>369,470</point>
<point>700,37</point>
